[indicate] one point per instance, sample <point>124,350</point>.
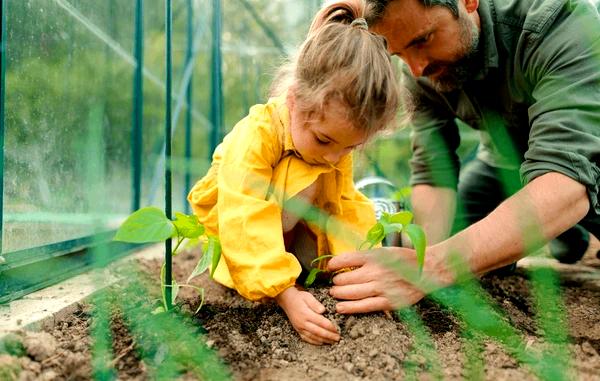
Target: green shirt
<point>535,101</point>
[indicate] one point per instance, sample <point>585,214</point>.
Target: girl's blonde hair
<point>341,60</point>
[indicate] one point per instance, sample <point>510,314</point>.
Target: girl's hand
<point>305,314</point>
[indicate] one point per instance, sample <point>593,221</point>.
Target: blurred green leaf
<point>402,194</point>
<point>376,234</point>
<point>392,228</point>
<point>148,224</point>
<point>417,237</point>
<point>404,217</point>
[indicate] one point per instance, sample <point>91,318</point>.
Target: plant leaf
<point>148,224</point>
<point>188,226</point>
<point>216,255</point>
<point>175,291</point>
<point>385,218</point>
<point>320,258</point>
<point>312,275</point>
<point>193,243</point>
<point>162,286</point>
<point>210,248</point>
<point>392,228</point>
<point>201,290</point>
<point>376,234</point>
<point>417,237</point>
<point>403,217</point>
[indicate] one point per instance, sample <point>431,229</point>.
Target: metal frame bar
<point>168,128</point>
<point>181,96</point>
<point>138,107</point>
<point>216,80</point>
<point>61,261</point>
<point>188,114</point>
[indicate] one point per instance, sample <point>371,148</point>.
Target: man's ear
<point>471,5</point>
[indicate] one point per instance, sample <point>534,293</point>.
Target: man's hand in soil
<point>373,287</point>
<point>305,314</point>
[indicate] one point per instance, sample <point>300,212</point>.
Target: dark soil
<point>257,342</point>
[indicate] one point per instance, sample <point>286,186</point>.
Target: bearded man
<point>526,74</point>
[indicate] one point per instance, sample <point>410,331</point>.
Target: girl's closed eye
<point>321,140</point>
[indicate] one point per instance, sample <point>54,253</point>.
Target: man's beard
<point>456,73</point>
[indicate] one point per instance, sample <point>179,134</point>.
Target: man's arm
<point>434,210</point>
<point>543,209</point>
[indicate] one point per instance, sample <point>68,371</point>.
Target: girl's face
<point>325,139</point>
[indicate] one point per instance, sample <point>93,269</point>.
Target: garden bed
<point>256,342</point>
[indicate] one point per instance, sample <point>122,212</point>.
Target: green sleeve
<point>434,138</point>
<point>563,67</point>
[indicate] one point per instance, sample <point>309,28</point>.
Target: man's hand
<point>305,314</point>
<point>371,287</point>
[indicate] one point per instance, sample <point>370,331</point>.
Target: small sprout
<point>312,275</point>
<point>398,223</point>
<point>388,223</point>
<point>150,224</point>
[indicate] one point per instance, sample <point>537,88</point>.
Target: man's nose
<point>417,64</point>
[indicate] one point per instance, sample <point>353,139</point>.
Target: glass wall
<point>67,119</point>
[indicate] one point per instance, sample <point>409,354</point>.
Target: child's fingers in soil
<point>322,322</point>
<point>329,334</point>
<point>314,304</point>
<point>316,337</point>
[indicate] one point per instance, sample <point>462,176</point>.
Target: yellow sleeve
<point>250,228</point>
<point>348,230</point>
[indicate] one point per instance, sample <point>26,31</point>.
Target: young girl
<point>291,157</point>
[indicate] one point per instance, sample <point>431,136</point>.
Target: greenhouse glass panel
<point>68,119</point>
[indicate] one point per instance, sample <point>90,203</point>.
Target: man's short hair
<point>377,7</point>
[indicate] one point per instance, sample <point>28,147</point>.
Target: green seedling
<point>398,223</point>
<point>150,224</point>
<point>388,223</point>
<point>312,275</point>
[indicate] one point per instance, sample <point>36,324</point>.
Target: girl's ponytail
<point>341,60</point>
<point>340,11</point>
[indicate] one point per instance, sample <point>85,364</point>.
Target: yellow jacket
<point>254,170</point>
